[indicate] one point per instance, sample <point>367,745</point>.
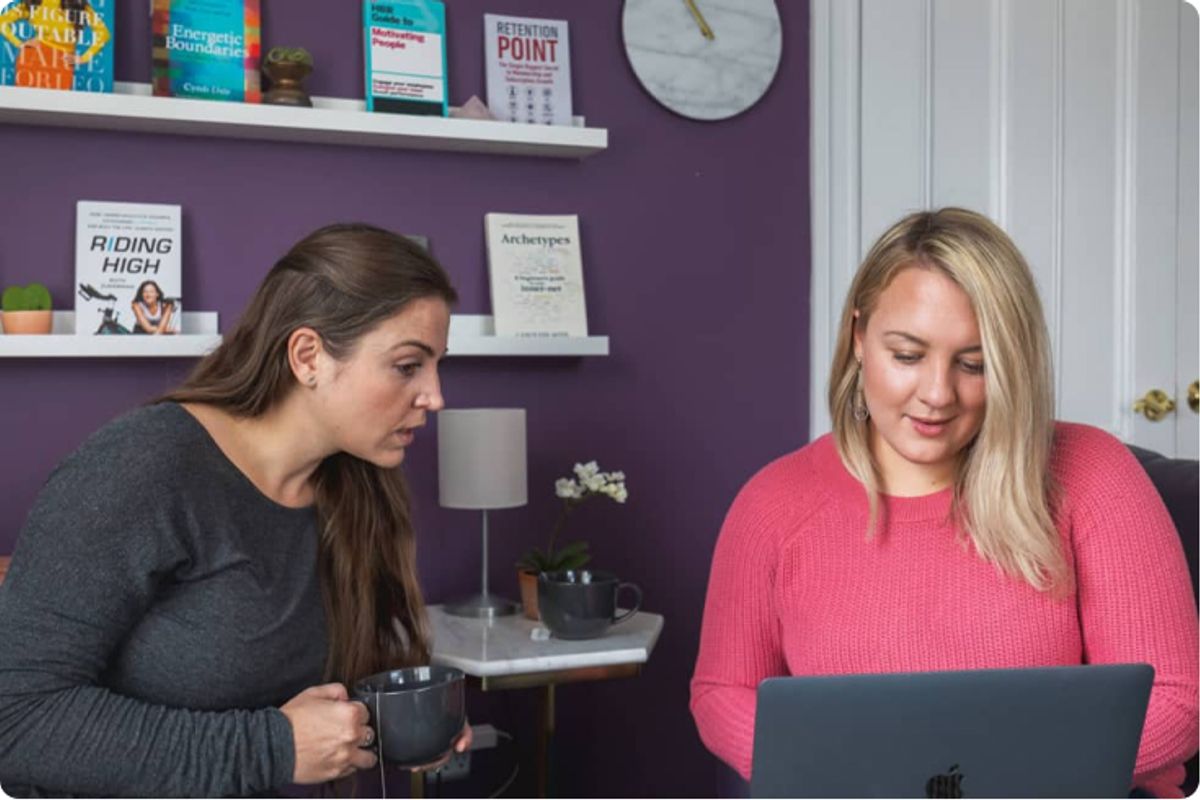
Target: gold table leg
<point>545,740</point>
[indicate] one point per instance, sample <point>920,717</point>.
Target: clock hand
<point>706,31</point>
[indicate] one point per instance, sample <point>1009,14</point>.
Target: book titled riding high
<point>208,49</point>
<point>127,268</point>
<point>57,44</point>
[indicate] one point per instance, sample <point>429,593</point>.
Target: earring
<point>859,402</point>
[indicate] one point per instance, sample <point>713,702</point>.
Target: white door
<point>1072,124</point>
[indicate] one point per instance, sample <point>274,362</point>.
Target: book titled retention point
<point>536,274</point>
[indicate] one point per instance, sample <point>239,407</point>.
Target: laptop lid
<point>1041,732</point>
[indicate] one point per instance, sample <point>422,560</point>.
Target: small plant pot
<point>18,322</point>
<point>286,84</point>
<point>529,594</point>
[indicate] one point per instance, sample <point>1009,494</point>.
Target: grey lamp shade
<point>481,458</point>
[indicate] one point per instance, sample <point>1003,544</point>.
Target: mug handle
<point>636,603</point>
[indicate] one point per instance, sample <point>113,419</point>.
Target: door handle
<point>1194,396</point>
<point>1155,405</point>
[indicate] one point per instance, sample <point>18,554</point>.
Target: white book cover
<point>536,273</point>
<point>528,69</point>
<point>128,278</point>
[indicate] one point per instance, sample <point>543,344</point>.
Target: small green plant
<point>289,55</point>
<point>588,482</point>
<point>34,297</point>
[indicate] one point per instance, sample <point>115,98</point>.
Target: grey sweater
<point>157,611</point>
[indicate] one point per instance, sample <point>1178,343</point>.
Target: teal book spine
<point>57,44</point>
<point>404,50</point>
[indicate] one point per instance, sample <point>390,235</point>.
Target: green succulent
<point>34,297</point>
<point>289,55</point>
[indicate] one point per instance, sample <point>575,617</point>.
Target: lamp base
<point>481,606</point>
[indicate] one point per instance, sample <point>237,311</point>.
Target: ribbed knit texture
<point>158,610</point>
<point>797,588</point>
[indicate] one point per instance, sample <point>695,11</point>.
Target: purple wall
<point>695,244</point>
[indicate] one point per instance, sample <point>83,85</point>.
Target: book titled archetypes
<point>207,49</point>
<point>536,272</point>
<point>127,268</point>
<point>528,69</point>
<point>404,50</point>
<point>57,45</point>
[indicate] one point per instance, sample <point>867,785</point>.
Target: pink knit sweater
<point>797,589</point>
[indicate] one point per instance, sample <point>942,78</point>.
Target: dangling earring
<point>860,403</point>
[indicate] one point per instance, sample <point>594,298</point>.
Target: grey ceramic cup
<point>582,603</point>
<point>416,712</point>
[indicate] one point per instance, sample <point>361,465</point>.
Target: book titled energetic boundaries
<point>207,49</point>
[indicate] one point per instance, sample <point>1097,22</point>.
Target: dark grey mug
<point>582,603</point>
<point>416,712</point>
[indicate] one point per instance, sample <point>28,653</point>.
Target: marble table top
<point>504,646</point>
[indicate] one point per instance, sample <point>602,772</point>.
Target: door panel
<point>1072,123</point>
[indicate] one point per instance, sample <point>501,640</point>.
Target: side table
<point>501,654</point>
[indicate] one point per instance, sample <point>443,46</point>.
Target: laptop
<point>1041,732</point>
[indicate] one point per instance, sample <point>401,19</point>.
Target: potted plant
<point>287,67</point>
<point>27,309</point>
<point>589,481</point>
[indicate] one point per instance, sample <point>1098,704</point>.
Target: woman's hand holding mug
<point>329,732</point>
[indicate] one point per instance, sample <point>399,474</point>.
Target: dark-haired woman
<point>186,622</point>
<point>152,313</point>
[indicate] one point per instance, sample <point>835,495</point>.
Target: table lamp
<point>481,466</point>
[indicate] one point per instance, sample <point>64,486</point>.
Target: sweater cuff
<point>283,748</point>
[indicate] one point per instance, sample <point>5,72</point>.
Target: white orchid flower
<point>567,489</point>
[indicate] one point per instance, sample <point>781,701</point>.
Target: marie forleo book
<point>127,268</point>
<point>536,272</point>
<point>57,44</point>
<point>528,69</point>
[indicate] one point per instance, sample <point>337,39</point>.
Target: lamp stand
<point>483,605</point>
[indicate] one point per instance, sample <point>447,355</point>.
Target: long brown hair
<point>341,281</point>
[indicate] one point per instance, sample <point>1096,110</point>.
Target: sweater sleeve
<point>739,636</point>
<point>1135,598</point>
<point>94,551</point>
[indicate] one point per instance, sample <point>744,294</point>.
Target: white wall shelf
<point>470,335</point>
<point>475,335</point>
<point>199,335</point>
<point>132,107</point>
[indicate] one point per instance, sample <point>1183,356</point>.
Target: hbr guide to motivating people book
<point>404,50</point>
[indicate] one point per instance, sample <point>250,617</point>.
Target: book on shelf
<point>208,49</point>
<point>535,269</point>
<point>127,268</point>
<point>57,45</point>
<point>404,50</point>
<point>528,69</point>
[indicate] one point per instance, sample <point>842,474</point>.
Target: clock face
<point>703,59</point>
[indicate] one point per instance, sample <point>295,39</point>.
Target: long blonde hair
<point>341,281</point>
<point>1003,493</point>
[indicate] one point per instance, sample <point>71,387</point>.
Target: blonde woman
<point>948,522</point>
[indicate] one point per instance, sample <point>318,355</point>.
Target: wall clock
<point>703,59</point>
